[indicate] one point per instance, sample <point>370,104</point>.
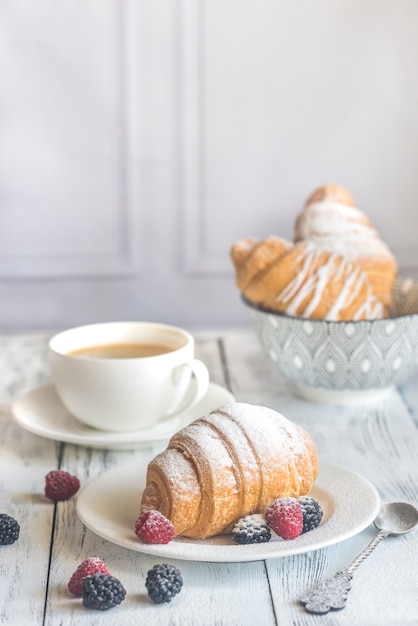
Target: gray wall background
<point>139,140</point>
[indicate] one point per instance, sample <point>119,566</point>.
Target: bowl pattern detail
<point>359,355</point>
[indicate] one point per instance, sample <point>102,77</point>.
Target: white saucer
<point>109,505</point>
<point>41,412</point>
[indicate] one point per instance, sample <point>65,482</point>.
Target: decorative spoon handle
<point>333,592</point>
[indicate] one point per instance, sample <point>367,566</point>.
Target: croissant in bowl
<point>331,221</point>
<point>338,268</point>
<point>230,463</point>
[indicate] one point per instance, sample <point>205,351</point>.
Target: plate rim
<point>199,550</point>
<point>103,439</point>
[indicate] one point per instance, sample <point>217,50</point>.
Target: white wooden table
<point>380,442</point>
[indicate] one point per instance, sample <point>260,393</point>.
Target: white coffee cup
<point>126,376</point>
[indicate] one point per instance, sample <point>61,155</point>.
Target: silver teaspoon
<point>395,518</point>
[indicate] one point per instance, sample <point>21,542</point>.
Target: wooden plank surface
<point>377,441</point>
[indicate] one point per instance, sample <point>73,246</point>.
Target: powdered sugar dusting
<point>341,229</point>
<point>318,275</point>
<point>256,518</point>
<point>180,472</point>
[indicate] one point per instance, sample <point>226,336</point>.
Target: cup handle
<point>200,380</point>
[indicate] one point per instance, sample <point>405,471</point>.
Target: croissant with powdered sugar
<point>230,463</point>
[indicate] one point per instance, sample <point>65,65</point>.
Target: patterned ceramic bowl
<point>346,362</point>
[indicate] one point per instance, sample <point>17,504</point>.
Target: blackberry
<point>102,592</point>
<point>163,583</point>
<point>9,529</point>
<point>251,529</point>
<point>312,513</point>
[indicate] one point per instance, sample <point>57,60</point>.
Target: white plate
<point>40,411</point>
<point>108,505</point>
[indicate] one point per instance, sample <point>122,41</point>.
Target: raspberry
<point>312,513</point>
<point>153,527</point>
<point>60,485</point>
<point>9,529</point>
<point>102,592</point>
<point>251,529</point>
<point>285,517</point>
<point>163,582</point>
<point>88,567</point>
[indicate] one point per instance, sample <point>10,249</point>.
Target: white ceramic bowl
<point>344,362</point>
